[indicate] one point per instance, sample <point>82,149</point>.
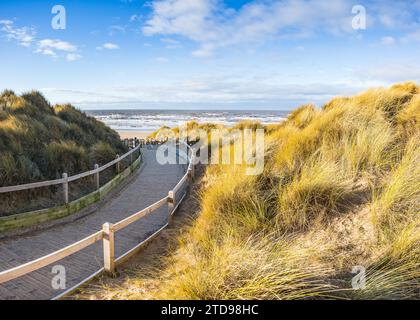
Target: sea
<point>151,120</point>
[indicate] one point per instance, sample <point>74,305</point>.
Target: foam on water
<point>150,120</point>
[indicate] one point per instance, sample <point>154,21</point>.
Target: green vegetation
<point>33,218</point>
<point>39,142</point>
<point>340,188</point>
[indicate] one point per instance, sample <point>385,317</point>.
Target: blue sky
<point>208,54</point>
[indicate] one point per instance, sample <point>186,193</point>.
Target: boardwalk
<point>151,184</point>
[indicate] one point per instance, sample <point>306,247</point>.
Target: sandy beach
<point>127,134</point>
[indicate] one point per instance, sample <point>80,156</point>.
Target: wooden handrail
<point>31,185</point>
<point>127,221</point>
<point>69,179</point>
<point>110,229</point>
<point>48,259</point>
<point>180,183</point>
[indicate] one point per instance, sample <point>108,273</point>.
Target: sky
<point>206,54</point>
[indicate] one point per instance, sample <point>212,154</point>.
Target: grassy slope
<point>40,142</point>
<point>340,188</point>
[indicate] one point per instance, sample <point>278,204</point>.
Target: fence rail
<point>51,258</point>
<point>67,179</point>
<point>107,235</point>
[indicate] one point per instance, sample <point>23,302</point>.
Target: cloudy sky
<point>187,54</point>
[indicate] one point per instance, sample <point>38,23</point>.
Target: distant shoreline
<point>141,123</point>
<point>128,134</point>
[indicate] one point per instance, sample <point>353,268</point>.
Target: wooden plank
<point>48,259</point>
<point>127,221</point>
<point>76,261</point>
<point>31,185</point>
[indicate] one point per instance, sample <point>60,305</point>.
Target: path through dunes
<point>150,185</point>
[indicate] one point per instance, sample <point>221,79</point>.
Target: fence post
<point>190,175</point>
<point>66,188</point>
<point>97,177</point>
<point>171,205</point>
<point>118,165</point>
<point>109,248</point>
<point>192,160</point>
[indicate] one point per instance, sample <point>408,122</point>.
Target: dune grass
<point>340,188</point>
<point>41,142</point>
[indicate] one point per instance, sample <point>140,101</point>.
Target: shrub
<point>49,141</point>
<point>8,170</point>
<point>36,99</point>
<point>101,153</point>
<point>66,157</point>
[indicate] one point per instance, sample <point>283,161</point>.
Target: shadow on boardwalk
<point>152,184</point>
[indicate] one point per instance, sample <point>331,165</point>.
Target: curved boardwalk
<point>151,184</point>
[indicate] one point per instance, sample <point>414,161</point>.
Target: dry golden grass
<point>260,267</point>
<point>340,188</point>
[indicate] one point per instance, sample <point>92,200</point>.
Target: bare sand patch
<point>128,134</point>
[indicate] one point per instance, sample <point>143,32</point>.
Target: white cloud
<point>24,36</point>
<point>184,17</point>
<point>391,73</point>
<point>108,46</point>
<point>396,14</point>
<point>214,26</point>
<point>49,52</point>
<point>411,37</point>
<point>387,20</point>
<point>206,50</point>
<point>134,17</point>
<point>55,44</point>
<point>73,57</point>
<point>58,48</point>
<point>225,89</point>
<point>171,43</point>
<point>388,41</point>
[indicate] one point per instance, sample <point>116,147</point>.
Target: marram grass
<point>340,188</point>
<point>40,142</point>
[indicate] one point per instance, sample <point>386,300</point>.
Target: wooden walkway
<point>151,184</point>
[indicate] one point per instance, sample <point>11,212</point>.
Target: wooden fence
<point>107,234</point>
<point>65,180</point>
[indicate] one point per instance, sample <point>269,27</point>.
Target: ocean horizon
<point>150,120</point>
